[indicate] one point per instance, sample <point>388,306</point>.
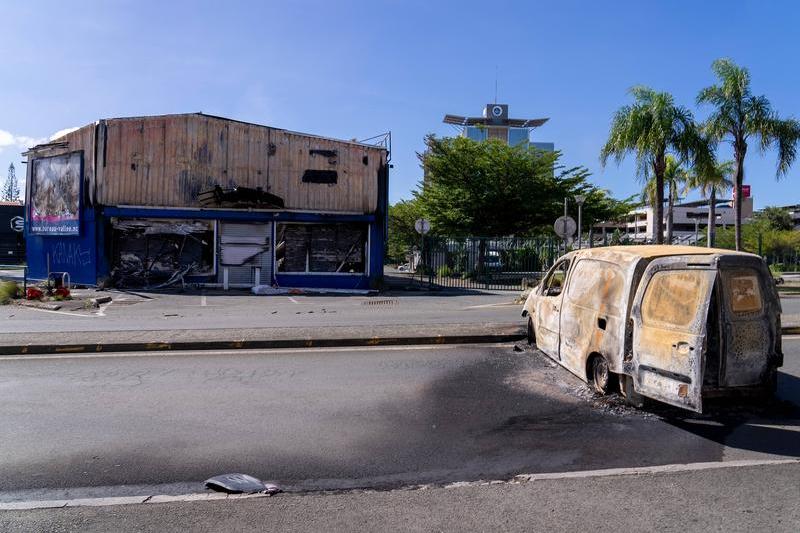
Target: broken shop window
<point>321,248</point>
<point>153,252</point>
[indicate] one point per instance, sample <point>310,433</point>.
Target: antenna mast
<point>495,84</point>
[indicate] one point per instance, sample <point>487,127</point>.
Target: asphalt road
<point>187,311</point>
<point>311,419</point>
<point>790,304</point>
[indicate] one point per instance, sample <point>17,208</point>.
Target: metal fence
<point>485,263</point>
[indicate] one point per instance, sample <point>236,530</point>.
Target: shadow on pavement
<point>770,426</point>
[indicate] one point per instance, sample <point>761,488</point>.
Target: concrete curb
<point>262,344</point>
<point>268,344</point>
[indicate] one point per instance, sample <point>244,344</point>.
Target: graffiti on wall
<point>69,255</point>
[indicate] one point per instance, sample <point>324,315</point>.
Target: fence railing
<point>485,263</point>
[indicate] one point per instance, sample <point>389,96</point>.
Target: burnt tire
<point>530,334</point>
<point>600,375</point>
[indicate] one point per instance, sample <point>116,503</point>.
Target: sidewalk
<point>261,338</point>
<point>755,498</point>
<point>229,320</point>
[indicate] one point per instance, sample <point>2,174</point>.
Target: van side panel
<point>593,314</point>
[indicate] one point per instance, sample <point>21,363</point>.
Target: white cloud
<point>19,142</point>
<point>61,133</point>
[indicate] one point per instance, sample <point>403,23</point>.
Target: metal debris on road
<point>240,483</point>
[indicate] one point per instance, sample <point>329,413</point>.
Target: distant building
<point>496,124</point>
<point>12,225</point>
<point>689,220</point>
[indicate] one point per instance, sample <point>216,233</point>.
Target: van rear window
<point>673,297</point>
<point>744,291</point>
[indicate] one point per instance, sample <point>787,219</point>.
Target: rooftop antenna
<point>495,84</point>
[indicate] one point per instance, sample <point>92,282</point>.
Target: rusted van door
<point>670,314</point>
<point>749,332</point>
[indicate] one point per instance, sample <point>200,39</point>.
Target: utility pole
<point>565,217</point>
<point>579,199</point>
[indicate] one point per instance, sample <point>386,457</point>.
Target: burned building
<point>149,201</point>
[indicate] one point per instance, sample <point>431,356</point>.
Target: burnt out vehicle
<point>678,324</point>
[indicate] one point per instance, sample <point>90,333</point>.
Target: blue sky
<point>355,69</point>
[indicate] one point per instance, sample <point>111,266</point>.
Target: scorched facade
<point>154,201</point>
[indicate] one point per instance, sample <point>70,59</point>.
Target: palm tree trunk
<point>712,217</point>
<point>670,205</point>
<point>659,166</point>
<point>740,149</point>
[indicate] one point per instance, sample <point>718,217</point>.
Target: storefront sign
<point>17,224</point>
<point>55,194</point>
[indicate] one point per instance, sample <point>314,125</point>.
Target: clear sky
<point>355,69</point>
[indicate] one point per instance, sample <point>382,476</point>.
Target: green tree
<point>652,127</point>
<point>675,175</point>
<point>491,189</point>
<point>402,234</point>
<point>11,187</point>
<point>738,116</point>
<point>711,182</point>
<point>776,218</point>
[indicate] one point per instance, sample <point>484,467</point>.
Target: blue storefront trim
<point>75,254</point>
<point>86,256</point>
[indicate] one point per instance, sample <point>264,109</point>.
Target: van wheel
<point>530,333</point>
<point>601,377</point>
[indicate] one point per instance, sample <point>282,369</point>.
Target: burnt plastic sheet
<point>240,197</point>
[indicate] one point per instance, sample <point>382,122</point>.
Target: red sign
<point>745,191</point>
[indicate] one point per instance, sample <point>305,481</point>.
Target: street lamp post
<point>579,199</point>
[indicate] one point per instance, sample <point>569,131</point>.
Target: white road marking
<point>524,478</point>
<point>62,312</point>
<point>293,300</point>
<point>499,304</point>
<point>255,351</point>
<point>203,301</point>
<point>102,310</point>
<point>773,426</point>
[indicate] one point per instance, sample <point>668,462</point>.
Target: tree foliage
<point>737,116</point>
<point>650,128</point>
<point>491,189</point>
<point>10,191</point>
<point>776,218</point>
<point>402,234</point>
<point>712,182</point>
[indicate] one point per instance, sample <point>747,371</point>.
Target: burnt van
<point>678,324</point>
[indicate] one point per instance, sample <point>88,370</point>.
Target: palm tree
<point>675,175</point>
<point>652,127</point>
<point>738,116</point>
<point>712,183</point>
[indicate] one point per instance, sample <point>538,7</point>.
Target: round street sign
<point>565,227</point>
<point>422,226</point>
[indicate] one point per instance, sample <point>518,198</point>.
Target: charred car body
<point>672,323</point>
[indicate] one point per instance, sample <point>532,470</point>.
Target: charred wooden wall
<point>165,161</point>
